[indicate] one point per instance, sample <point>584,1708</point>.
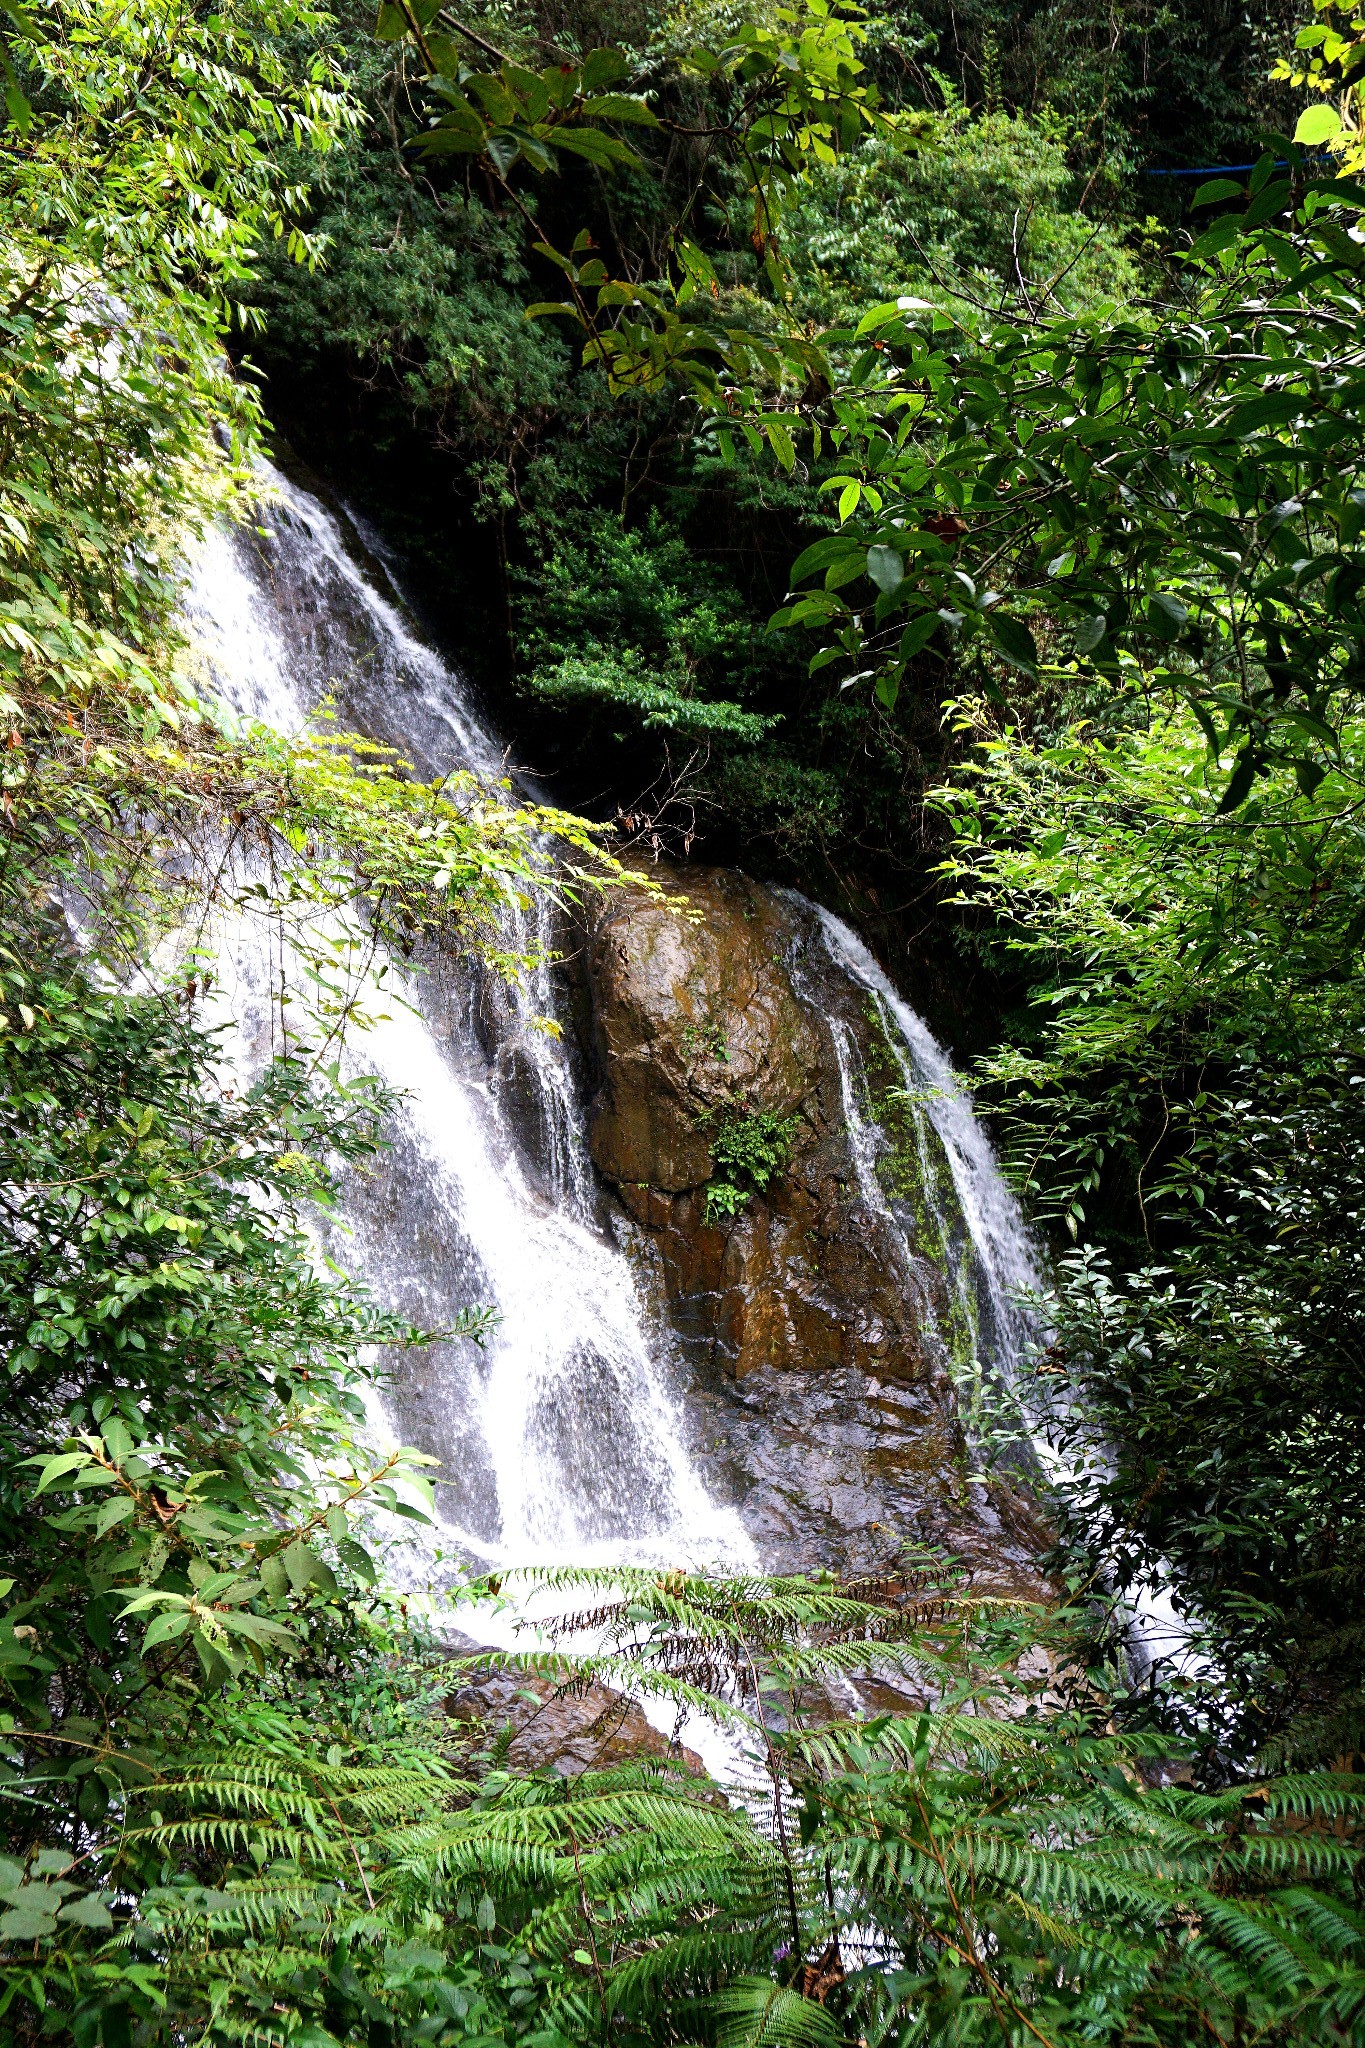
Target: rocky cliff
<point>735,1120</point>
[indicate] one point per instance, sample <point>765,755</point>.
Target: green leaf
<point>1218,188</point>
<point>781,443</point>
<point>595,146</point>
<point>818,556</point>
<point>116,2027</point>
<point>275,1577</point>
<point>1226,231</point>
<point>1278,408</point>
<point>301,1564</point>
<point>621,106</point>
<point>1014,641</point>
<point>502,147</point>
<point>1317,125</point>
<point>444,53</point>
<point>918,634</point>
<point>89,1911</point>
<point>1166,613</point>
<point>753,2012</point>
<point>120,1509</point>
<point>26,1923</point>
<point>885,568</point>
<point>1309,722</point>
<point>163,1627</point>
<point>1239,782</point>
<point>59,1467</point>
<point>603,67</point>
<point>357,1559</point>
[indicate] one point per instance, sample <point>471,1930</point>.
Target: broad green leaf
<point>621,106</point>
<point>88,1911</point>
<point>301,1564</point>
<point>918,634</point>
<point>1216,189</point>
<point>1014,640</point>
<point>23,1923</point>
<point>1276,409</point>
<point>885,567</point>
<point>121,1509</point>
<point>163,1628</point>
<point>1167,613</point>
<point>1316,125</point>
<point>1239,782</point>
<point>59,1467</point>
<point>781,442</point>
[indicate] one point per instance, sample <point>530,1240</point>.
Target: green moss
<point>915,1175</point>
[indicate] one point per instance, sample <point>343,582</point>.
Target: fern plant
<point>917,1844</point>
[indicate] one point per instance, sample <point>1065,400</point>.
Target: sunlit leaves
<point>127,219</point>
<point>792,93</point>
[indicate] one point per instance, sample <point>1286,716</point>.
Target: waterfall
<point>569,1438</point>
<point>994,1277</point>
<point>566,1439</point>
<point>996,1270</point>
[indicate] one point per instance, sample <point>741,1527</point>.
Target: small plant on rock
<point>748,1146</point>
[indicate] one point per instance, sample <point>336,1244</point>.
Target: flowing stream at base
<point>567,1439</point>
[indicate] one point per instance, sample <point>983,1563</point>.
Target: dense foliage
<point>1109,505</point>
<point>1163,827</point>
<point>599,554</point>
<point>181,1465</point>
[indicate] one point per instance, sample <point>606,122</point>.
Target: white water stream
<point>999,1262</point>
<point>998,1287</point>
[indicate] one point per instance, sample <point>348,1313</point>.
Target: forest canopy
<point>919,450</point>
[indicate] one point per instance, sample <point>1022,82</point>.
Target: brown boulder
<point>565,1728</point>
<point>693,1010</point>
<point>698,1013</point>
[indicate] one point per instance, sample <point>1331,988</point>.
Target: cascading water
<point>994,1278</point>
<point>992,1273</point>
<point>566,1439</point>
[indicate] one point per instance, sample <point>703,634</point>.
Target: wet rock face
<point>698,1015</point>
<point>694,1010</point>
<point>821,1379</point>
<point>562,1728</point>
